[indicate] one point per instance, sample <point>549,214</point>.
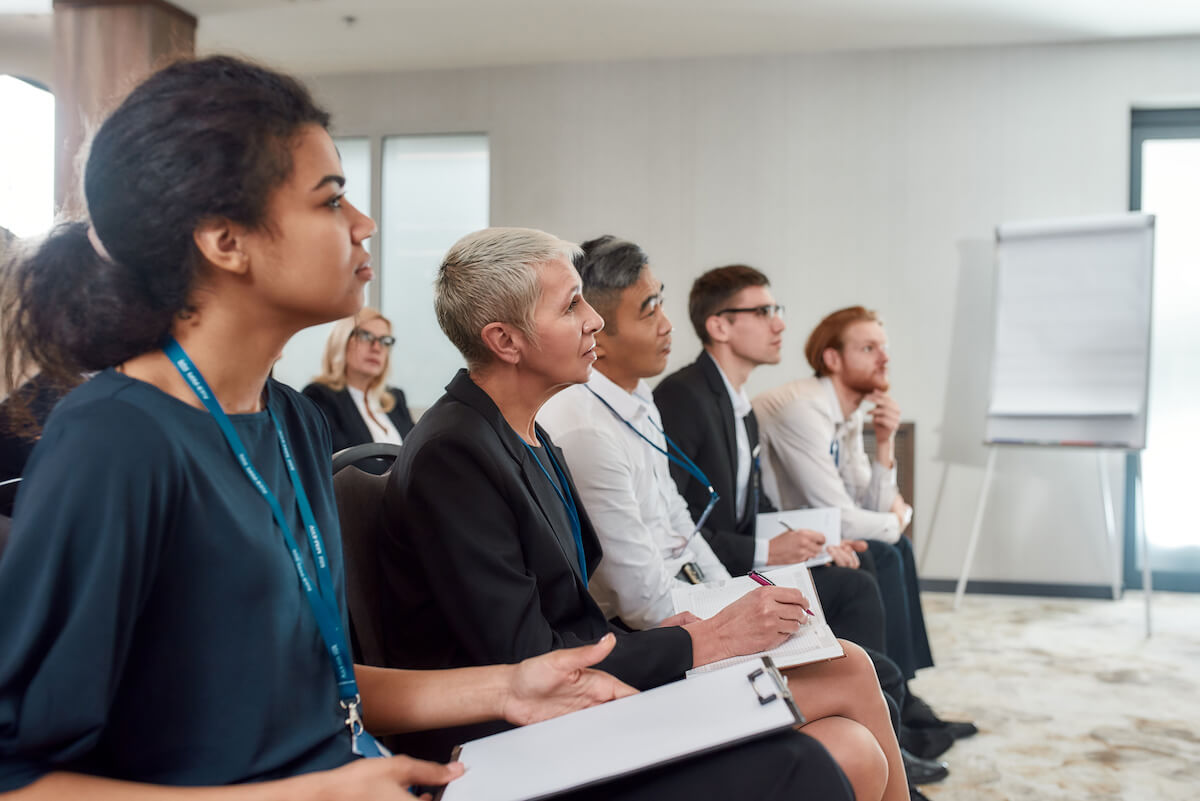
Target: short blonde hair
<point>333,362</point>
<point>491,276</point>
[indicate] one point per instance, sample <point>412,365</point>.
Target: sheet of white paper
<point>827,520</point>
<point>657,726</point>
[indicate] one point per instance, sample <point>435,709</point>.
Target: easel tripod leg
<point>975,528</point>
<point>1110,525</point>
<point>1140,501</point>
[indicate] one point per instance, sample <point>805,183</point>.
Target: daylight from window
<point>435,190</point>
<point>1170,181</point>
<point>26,157</point>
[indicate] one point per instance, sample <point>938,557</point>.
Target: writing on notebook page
<point>814,641</point>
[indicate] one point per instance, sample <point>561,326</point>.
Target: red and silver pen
<point>766,582</point>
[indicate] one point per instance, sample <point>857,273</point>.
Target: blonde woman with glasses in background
<point>352,388</point>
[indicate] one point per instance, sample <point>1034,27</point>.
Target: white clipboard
<point>667,724</point>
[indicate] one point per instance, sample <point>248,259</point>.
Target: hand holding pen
<point>759,578</point>
<point>794,545</point>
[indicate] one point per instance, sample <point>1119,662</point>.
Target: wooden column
<point>102,49</point>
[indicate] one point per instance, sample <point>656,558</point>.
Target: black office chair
<point>359,497</point>
<point>8,495</point>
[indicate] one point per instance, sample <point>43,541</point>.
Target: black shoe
<point>919,715</point>
<point>925,743</point>
<point>916,795</point>
<point>923,771</point>
<point>959,730</point>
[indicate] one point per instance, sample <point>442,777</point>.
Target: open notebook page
<point>814,642</point>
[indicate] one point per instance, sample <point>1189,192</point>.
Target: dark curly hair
<point>200,139</point>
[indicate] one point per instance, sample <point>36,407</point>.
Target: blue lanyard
<point>321,597</point>
<point>835,450</point>
<point>682,459</point>
<point>568,501</point>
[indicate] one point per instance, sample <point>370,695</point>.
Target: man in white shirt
<point>611,434</point>
<point>646,535</point>
<point>814,455</point>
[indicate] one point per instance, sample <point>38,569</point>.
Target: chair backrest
<point>360,510</point>
<point>8,495</point>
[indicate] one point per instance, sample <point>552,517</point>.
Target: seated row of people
<point>610,427</point>
<point>174,576</point>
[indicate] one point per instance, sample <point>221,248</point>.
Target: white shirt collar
<point>835,406</point>
<point>630,405</point>
<point>841,423</point>
<point>739,399</point>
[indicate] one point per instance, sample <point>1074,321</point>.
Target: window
<point>26,157</point>
<point>1165,181</point>
<point>435,190</point>
<point>301,358</point>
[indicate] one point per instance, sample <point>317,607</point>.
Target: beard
<point>867,381</point>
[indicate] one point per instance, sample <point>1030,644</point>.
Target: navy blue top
<point>152,622</point>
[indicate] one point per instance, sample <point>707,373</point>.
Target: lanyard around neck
<point>683,460</point>
<point>568,501</point>
<point>321,596</point>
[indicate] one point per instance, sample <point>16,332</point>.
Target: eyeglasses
<point>367,338</point>
<point>766,312</point>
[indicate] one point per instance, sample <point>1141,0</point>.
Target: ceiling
<point>319,36</point>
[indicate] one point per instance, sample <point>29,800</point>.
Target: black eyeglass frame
<point>766,311</point>
<point>367,338</point>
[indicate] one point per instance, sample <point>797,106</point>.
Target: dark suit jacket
<point>476,572</point>
<point>346,425</point>
<point>698,415</point>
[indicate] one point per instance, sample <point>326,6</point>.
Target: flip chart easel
<point>1071,354</point>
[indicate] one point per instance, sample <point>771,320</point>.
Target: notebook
<point>813,643</point>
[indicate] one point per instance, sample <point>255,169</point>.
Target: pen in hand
<point>759,578</point>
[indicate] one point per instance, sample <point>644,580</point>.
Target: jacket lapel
<point>468,392</point>
<point>358,427</point>
<point>716,386</point>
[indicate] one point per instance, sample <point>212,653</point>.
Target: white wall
<point>872,178</point>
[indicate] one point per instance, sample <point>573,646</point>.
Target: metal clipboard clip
<point>776,684</point>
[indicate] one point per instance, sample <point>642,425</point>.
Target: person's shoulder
<point>803,398</point>
<point>448,421</point>
<point>567,411</point>
<point>319,392</point>
<point>114,418</point>
<point>682,391</point>
<point>302,417</point>
<point>685,376</point>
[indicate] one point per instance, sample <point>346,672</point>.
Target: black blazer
<point>346,425</point>
<point>475,570</point>
<point>698,415</point>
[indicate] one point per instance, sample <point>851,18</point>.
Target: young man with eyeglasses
<point>814,455</point>
<point>706,410</point>
<point>611,434</point>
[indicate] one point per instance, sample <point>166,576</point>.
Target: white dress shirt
<point>741,408</point>
<point>381,427</point>
<point>814,457</point>
<point>626,487</point>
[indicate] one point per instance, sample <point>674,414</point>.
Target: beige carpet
<point>1072,701</point>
